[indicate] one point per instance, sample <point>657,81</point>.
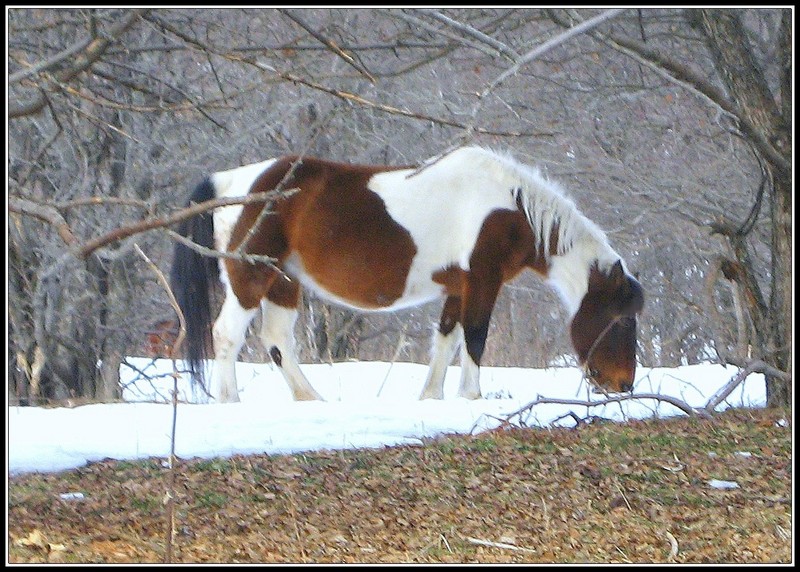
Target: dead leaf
<point>35,539</point>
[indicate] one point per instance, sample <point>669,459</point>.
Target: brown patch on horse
<point>505,246</point>
<point>507,243</point>
<point>451,315</point>
<point>452,278</point>
<point>341,231</point>
<point>284,292</point>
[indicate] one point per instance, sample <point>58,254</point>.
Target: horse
<point>381,238</point>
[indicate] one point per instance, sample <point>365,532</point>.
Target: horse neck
<point>569,242</point>
<point>569,272</point>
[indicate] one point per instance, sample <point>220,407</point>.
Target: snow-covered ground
<point>368,404</point>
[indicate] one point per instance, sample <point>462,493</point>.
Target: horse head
<point>603,330</point>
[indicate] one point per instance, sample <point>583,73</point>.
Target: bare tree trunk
<point>779,392</point>
<point>766,127</point>
<point>108,389</point>
<point>336,333</point>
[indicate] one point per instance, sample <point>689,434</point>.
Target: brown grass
<point>600,493</point>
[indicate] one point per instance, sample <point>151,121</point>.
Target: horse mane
<point>546,205</point>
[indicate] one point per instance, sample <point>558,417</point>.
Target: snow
<point>368,404</point>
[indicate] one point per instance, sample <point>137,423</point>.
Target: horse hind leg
<point>278,317</point>
<point>446,342</point>
<point>230,329</point>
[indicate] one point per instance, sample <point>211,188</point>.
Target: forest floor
<point>601,492</point>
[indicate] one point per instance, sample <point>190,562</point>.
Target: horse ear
<point>635,301</point>
<point>617,274</point>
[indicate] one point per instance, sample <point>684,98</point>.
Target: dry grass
<point>601,493</point>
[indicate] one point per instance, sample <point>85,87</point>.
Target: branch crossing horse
<point>376,237</point>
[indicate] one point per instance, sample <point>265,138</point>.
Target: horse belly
<point>369,295</point>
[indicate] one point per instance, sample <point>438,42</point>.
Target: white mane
<point>546,204</point>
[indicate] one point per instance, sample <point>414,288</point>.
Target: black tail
<point>193,278</point>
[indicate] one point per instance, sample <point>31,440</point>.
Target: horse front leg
<point>480,294</point>
<point>446,342</point>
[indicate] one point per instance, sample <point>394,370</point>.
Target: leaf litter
<point>597,493</point>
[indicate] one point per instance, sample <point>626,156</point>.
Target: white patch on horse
<point>277,331</point>
<point>232,183</point>
<point>443,207</point>
<point>442,353</point>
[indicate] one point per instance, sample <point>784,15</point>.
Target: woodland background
<point>671,128</point>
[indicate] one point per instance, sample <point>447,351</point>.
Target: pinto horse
<point>375,237</point>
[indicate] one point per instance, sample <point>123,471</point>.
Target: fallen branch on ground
<point>497,544</point>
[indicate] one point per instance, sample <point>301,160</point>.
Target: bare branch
<point>680,404</point>
<point>252,258</point>
<point>49,63</point>
<point>418,23</point>
<point>328,43</point>
<point>98,200</point>
<point>51,215</point>
<point>553,42</point>
<point>158,222</point>
<point>43,212</point>
<point>473,33</point>
<point>83,61</point>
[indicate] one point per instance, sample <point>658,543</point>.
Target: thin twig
<point>330,44</point>
<point>170,493</point>
<point>497,45</point>
<point>673,545</point>
<point>401,344</point>
<point>251,258</point>
<point>419,23</point>
<point>497,544</point>
<point>622,492</point>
